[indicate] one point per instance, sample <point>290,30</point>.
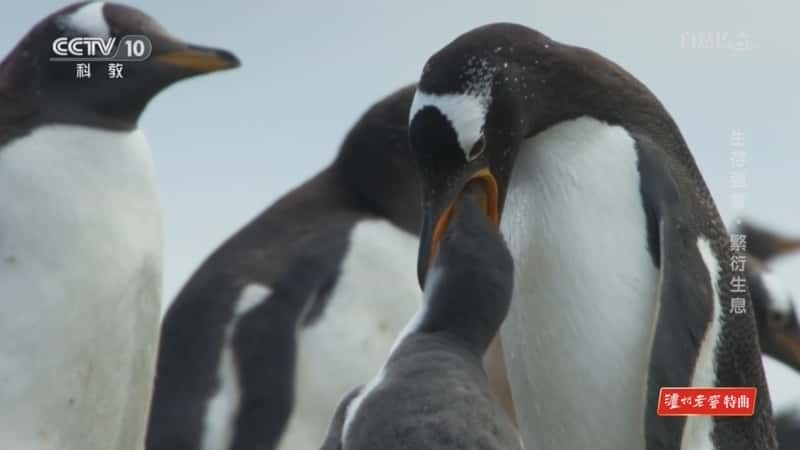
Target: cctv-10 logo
<point>130,48</point>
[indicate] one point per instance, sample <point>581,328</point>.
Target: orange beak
<point>489,203</point>
<point>199,59</point>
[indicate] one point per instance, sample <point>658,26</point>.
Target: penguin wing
<point>691,248</point>
<point>686,298</point>
<point>263,340</point>
<point>333,441</point>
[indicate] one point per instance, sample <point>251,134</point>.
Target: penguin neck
<point>28,99</point>
<point>291,228</point>
<point>321,201</point>
<point>382,180</point>
<point>462,316</point>
<point>472,332</point>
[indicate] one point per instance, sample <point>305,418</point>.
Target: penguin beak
<point>196,59</point>
<point>790,245</point>
<point>434,230</point>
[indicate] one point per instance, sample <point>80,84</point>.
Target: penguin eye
<point>477,148</point>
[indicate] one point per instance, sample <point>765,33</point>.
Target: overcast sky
<point>229,144</point>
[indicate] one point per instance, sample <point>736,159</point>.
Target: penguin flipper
<point>333,441</point>
<point>685,308</point>
<point>685,298</point>
<point>690,247</point>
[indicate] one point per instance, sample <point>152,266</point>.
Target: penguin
<point>80,239</point>
<point>765,244</point>
<point>622,277</point>
<point>775,312</point>
<point>244,364</point>
<point>779,334</point>
<point>433,393</point>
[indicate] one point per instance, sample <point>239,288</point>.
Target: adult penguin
<point>432,392</point>
<point>622,277</point>
<point>80,231</point>
<point>773,303</point>
<point>255,354</point>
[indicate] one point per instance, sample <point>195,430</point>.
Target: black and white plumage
<point>253,356</point>
<point>773,303</point>
<point>433,393</point>
<point>80,235</point>
<point>779,334</point>
<point>775,313</point>
<point>623,282</point>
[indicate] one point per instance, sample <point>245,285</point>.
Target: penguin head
<point>469,290</point>
<point>63,65</point>
<point>477,100</point>
<point>376,165</point>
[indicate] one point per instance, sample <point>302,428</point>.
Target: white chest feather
<point>376,295</point>
<point>80,270</point>
<point>578,334</point>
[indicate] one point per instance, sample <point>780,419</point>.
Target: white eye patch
<point>88,20</point>
<point>465,112</point>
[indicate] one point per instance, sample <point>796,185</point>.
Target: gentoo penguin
<point>252,358</point>
<point>80,234</point>
<point>775,313</point>
<point>622,275</point>
<point>433,393</point>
